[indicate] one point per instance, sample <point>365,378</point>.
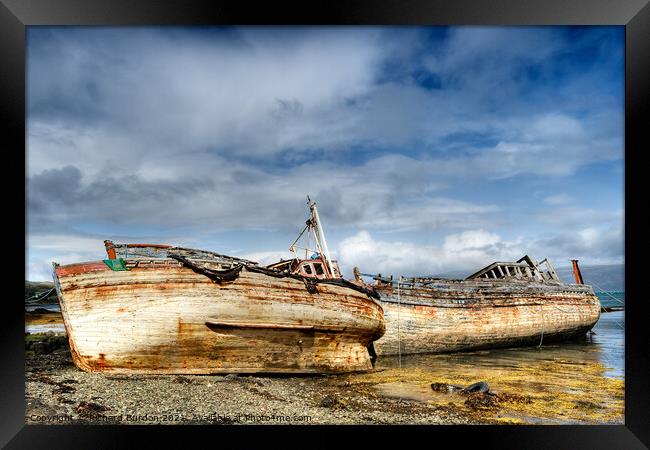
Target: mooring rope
<point>607,293</point>
<point>615,299</point>
<point>218,276</point>
<point>399,335</point>
<point>541,339</point>
<point>39,295</point>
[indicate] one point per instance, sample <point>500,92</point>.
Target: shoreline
<point>551,390</point>
<point>57,392</point>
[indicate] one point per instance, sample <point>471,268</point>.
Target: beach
<point>562,383</point>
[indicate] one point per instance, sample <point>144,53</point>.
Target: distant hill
<point>608,277</point>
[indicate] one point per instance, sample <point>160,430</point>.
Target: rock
<point>63,389</point>
<point>40,348</point>
<point>480,400</point>
<point>328,401</point>
<point>332,401</point>
<point>481,386</point>
<point>85,409</point>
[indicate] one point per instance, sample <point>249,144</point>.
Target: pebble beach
<point>562,383</point>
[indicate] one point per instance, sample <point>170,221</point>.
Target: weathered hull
<point>165,318</point>
<point>468,315</point>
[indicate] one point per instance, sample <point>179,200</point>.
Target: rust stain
<point>76,269</point>
<point>150,341</point>
<point>457,316</point>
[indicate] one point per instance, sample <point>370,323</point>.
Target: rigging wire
<point>45,294</point>
<point>607,293</point>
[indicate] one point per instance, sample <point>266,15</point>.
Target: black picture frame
<point>15,15</point>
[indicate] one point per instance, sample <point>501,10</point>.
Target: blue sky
<point>427,149</point>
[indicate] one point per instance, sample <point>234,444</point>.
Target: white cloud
<point>589,236</point>
<point>269,257</point>
<point>558,199</point>
<point>373,256</point>
<point>65,243</point>
<point>469,241</point>
<point>553,126</point>
<point>469,251</point>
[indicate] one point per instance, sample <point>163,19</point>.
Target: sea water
<point>605,343</point>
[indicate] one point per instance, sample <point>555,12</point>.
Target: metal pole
<point>576,272</point>
<point>321,233</point>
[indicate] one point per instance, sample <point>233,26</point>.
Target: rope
<point>399,335</point>
<point>40,297</point>
<point>607,293</point>
<point>218,276</point>
<point>541,339</point>
<point>615,299</point>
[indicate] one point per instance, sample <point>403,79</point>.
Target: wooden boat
<point>506,304</point>
<point>161,309</point>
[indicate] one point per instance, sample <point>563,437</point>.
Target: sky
<point>427,149</point>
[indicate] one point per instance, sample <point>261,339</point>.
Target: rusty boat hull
<point>462,315</point>
<point>163,317</point>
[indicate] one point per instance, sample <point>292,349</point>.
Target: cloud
<point>131,83</point>
<point>473,249</point>
<point>180,132</point>
<point>386,192</point>
<point>463,251</point>
<point>591,245</point>
<point>558,199</point>
<point>266,258</point>
<point>120,98</point>
<point>73,247</point>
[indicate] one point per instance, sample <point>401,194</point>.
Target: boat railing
<point>158,251</point>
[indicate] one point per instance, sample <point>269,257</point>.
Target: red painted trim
<point>148,245</point>
<point>74,269</point>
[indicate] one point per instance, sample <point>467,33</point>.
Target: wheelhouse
<point>313,268</point>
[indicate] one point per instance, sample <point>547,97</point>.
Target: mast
<point>321,235</point>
